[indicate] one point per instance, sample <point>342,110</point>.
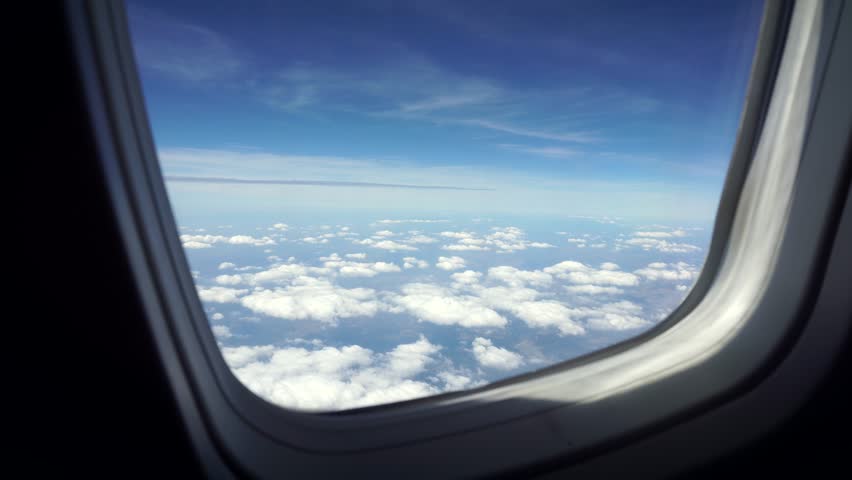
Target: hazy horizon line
<point>319,183</point>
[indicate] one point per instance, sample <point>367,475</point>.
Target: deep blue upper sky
<point>612,107</point>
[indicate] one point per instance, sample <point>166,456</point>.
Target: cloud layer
<point>488,294</point>
<point>336,378</point>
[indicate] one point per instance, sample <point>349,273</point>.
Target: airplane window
<point>383,201</point>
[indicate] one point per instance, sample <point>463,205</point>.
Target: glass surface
<point>387,200</point>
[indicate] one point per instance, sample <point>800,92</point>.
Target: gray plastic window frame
<point>769,235</point>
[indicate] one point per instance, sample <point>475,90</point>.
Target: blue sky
<point>573,152</point>
<point>554,107</point>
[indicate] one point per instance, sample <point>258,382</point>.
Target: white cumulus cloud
<point>229,279</point>
<point>492,356</point>
<point>412,262</point>
<point>348,268</point>
<point>593,290</point>
<point>207,241</point>
<point>314,299</point>
<point>221,331</point>
<point>220,294</point>
<point>442,306</point>
<point>623,315</point>
<point>410,220</point>
<point>547,313</point>
<point>450,263</point>
<point>420,239</point>
<point>664,246</point>
<point>467,277</point>
<point>518,278</point>
<point>580,273</point>
<point>525,304</point>
<point>329,378</point>
<point>459,247</point>
<point>673,233</point>
<point>282,274</point>
<point>385,244</point>
<point>315,240</point>
<point>679,271</point>
<point>192,245</point>
<point>501,239</point>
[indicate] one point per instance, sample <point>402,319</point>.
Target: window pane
<point>387,200</point>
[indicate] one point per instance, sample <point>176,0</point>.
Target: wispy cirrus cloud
<point>408,85</point>
<point>550,152</point>
<point>449,101</point>
<point>581,136</point>
<point>179,49</point>
<point>412,89</point>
